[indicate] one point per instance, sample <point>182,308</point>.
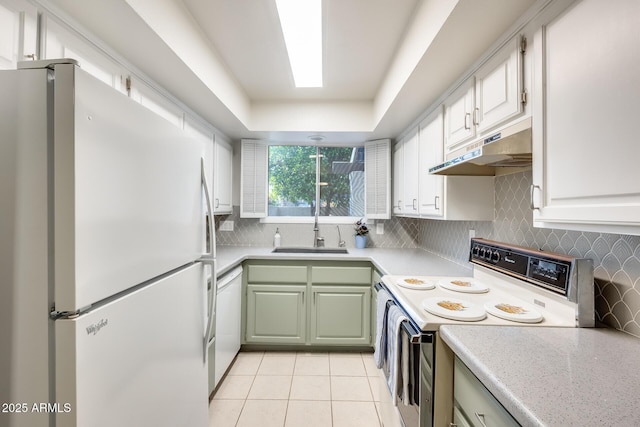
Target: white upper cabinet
<point>431,136</point>
<point>585,142</point>
<point>223,181</point>
<point>18,32</point>
<point>61,42</point>
<point>458,112</point>
<point>410,172</point>
<point>499,85</point>
<point>491,97</point>
<point>418,193</point>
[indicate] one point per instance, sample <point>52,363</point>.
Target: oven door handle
<point>414,335</point>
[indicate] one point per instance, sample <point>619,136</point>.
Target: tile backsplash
<point>616,257</point>
<point>398,233</point>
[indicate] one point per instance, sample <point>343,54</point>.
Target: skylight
<point>301,22</point>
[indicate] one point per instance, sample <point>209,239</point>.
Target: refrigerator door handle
<point>211,237</point>
<point>208,258</point>
<point>213,299</point>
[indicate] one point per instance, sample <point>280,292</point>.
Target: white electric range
<point>511,285</point>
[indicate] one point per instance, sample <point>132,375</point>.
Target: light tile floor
<point>292,389</point>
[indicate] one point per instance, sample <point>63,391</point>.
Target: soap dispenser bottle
<point>276,239</point>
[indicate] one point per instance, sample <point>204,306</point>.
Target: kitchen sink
<point>310,251</point>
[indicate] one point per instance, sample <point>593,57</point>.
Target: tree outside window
<point>293,181</point>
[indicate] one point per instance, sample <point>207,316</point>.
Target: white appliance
<point>510,286</point>
<point>103,297</point>
<point>227,321</point>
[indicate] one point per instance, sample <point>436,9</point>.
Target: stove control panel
<point>545,269</point>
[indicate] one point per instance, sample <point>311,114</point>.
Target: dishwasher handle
<point>228,278</point>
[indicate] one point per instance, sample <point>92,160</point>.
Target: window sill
<point>310,220</point>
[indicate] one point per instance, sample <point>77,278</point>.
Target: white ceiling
<point>385,61</point>
<point>359,41</point>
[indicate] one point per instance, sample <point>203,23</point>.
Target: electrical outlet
<point>226,226</point>
<point>380,228</point>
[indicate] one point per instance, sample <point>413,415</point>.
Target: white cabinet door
<point>431,136</point>
<point>398,178</point>
<point>60,42</point>
<point>222,203</point>
<point>410,166</point>
<point>18,32</point>
<point>585,143</point>
<point>487,100</point>
<point>458,115</point>
<point>498,87</point>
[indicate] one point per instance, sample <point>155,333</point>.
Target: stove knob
<point>495,257</point>
<point>488,254</point>
<point>476,250</point>
<point>482,252</point>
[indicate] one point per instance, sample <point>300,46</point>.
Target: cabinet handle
<point>475,116</point>
<point>217,203</point>
<point>453,425</point>
<point>399,205</point>
<point>466,116</point>
<point>414,204</point>
<point>435,203</point>
<point>302,297</point>
<point>480,418</point>
<point>532,189</point>
<point>31,56</point>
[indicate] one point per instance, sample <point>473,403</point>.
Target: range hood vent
<point>511,147</point>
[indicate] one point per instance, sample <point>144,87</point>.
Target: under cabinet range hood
<point>510,147</point>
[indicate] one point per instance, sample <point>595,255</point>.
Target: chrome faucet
<point>341,243</point>
<point>317,240</point>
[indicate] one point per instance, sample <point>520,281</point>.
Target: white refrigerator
<point>103,257</point>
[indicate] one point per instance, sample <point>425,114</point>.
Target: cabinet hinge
<point>523,97</point>
<point>523,44</point>
<point>127,84</point>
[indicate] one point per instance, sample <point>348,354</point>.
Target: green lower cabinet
<point>340,315</point>
<point>276,314</point>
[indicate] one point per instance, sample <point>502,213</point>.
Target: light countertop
<point>387,261</point>
<point>555,376</point>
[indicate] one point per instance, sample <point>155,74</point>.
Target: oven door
<point>419,413</point>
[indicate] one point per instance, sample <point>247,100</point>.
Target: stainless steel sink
<point>310,251</point>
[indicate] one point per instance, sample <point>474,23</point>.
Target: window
<point>279,181</point>
<point>303,177</point>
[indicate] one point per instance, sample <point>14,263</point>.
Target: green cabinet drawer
<point>475,402</point>
<point>277,274</point>
<point>341,275</point>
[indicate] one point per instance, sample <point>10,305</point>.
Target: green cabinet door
<point>276,314</point>
<point>341,315</point>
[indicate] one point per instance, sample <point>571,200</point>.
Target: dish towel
<point>380,351</point>
<point>395,358</point>
<point>408,373</point>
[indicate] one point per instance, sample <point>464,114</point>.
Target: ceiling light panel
<point>301,22</point>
